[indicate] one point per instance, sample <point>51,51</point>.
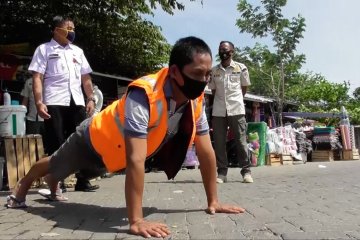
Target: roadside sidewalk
<point>310,201</point>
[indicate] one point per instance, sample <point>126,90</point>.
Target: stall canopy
<point>12,59</point>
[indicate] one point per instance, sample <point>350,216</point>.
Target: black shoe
<point>86,187</point>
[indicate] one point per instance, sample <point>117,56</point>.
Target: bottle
<point>7,98</point>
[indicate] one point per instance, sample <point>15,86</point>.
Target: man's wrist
<point>91,99</point>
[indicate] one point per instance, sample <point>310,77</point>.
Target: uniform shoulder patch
<point>237,68</point>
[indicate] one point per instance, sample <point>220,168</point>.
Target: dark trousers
<point>61,124</point>
<point>35,127</point>
<point>238,126</point>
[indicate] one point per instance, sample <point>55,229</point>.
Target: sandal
<point>47,194</point>
<point>13,202</point>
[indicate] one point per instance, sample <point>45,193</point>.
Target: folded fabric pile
<point>326,138</point>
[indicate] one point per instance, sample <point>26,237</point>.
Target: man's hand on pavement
<point>149,229</point>
<point>218,208</point>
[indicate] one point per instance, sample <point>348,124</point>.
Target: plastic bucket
<point>2,162</point>
<point>12,120</point>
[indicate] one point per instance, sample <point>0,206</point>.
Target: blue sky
<point>331,38</point>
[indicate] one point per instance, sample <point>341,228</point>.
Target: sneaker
<point>85,187</point>
<point>247,178</point>
<point>221,179</point>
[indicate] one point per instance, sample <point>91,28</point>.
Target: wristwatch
<point>91,99</point>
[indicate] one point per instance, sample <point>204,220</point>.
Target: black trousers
<point>35,127</point>
<point>61,124</point>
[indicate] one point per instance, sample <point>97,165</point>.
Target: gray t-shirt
<point>28,93</point>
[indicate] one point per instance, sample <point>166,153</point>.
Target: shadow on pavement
<point>93,218</point>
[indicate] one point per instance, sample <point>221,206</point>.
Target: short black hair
<point>58,21</point>
<point>183,51</point>
<point>230,43</point>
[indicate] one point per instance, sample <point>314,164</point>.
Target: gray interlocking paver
<point>285,202</point>
<point>282,227</point>
<point>315,235</point>
<point>7,237</point>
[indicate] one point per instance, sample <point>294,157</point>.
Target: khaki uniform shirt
<point>227,82</point>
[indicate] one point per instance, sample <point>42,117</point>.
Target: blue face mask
<point>70,36</point>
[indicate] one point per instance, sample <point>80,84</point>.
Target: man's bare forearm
<point>87,85</point>
<point>37,87</point>
<point>207,161</point>
<point>135,174</point>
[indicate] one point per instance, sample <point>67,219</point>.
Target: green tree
<point>317,94</point>
<point>356,93</point>
<point>284,33</point>
<point>354,113</point>
<point>112,33</point>
<point>265,75</point>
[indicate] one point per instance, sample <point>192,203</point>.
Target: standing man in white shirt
<point>229,82</point>
<point>60,69</point>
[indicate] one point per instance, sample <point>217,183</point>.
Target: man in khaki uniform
<point>229,82</point>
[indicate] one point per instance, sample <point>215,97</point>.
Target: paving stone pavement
<point>310,201</point>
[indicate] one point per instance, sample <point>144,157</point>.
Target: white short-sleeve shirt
<point>227,82</point>
<point>62,68</point>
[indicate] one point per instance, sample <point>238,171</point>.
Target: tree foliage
<point>353,108</point>
<point>317,94</point>
<point>112,33</point>
<point>356,93</point>
<point>285,34</point>
<point>265,75</point>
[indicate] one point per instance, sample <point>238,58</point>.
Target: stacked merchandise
<point>287,137</point>
<point>346,136</point>
<point>327,146</point>
<point>347,131</point>
<point>326,138</point>
<point>352,137</point>
<point>350,152</point>
<point>282,141</point>
<point>304,146</point>
<point>260,128</point>
<point>273,143</point>
<point>253,148</point>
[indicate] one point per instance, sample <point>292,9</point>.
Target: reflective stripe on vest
<point>118,123</point>
<point>160,109</point>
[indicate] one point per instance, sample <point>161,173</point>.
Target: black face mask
<point>192,88</point>
<point>71,36</point>
<point>224,55</point>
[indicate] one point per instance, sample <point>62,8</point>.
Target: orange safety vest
<point>107,127</point>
